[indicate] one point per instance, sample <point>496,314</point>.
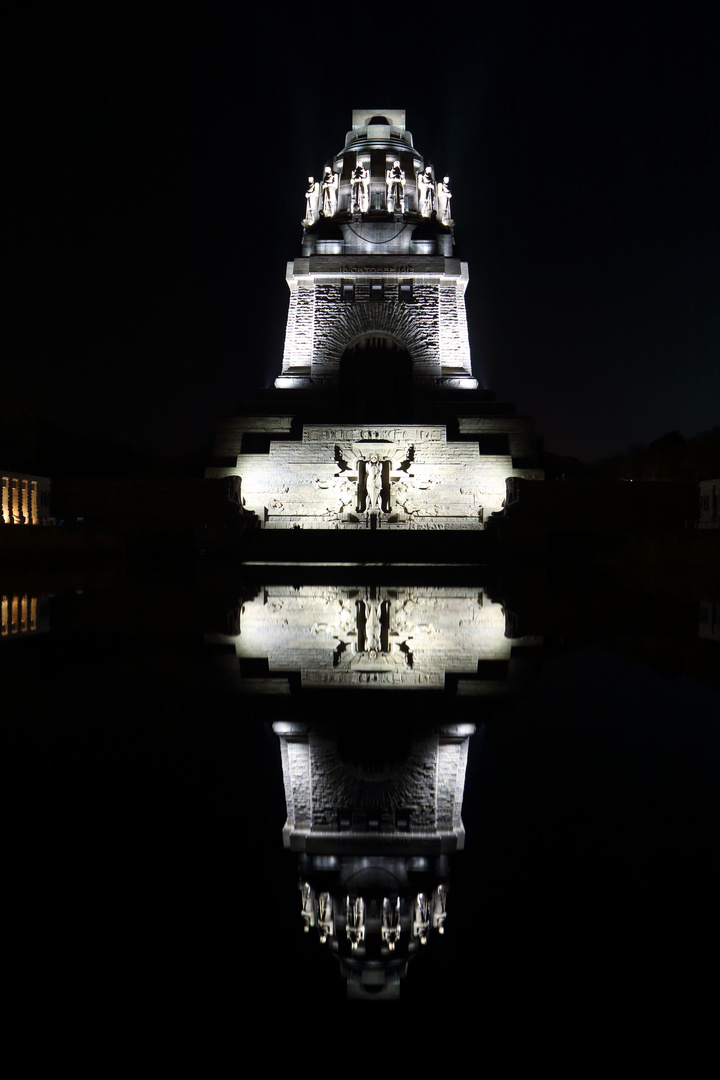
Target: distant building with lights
<point>25,499</point>
<point>376,421</point>
<point>22,614</point>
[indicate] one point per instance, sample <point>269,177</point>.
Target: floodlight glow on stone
<point>377,333</point>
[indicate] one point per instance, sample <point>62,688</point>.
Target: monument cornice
<point>334,265</point>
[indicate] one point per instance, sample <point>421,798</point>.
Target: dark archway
<point>376,380</point>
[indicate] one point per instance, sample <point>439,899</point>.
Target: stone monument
<point>376,420</point>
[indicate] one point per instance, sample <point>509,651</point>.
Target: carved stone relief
<point>372,636</point>
<point>376,478</point>
<point>373,485</point>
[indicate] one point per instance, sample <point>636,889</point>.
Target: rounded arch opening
<point>376,378</point>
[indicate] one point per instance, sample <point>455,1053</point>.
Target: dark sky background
<point>158,155</point>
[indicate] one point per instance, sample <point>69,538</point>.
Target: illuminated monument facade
<point>376,420</point>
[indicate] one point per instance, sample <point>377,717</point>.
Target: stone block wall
<point>328,794</point>
<point>317,483</point>
<point>323,320</point>
<point>324,633</point>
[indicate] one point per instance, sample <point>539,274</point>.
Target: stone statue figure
<point>373,483</point>
<point>426,192</point>
<point>359,184</point>
<point>395,180</point>
<point>355,925</point>
<point>440,908</point>
<point>326,924</point>
<point>308,906</point>
<point>312,202</point>
<point>373,627</point>
<point>330,192</point>
<point>391,921</point>
<point>421,918</point>
<point>444,195</point>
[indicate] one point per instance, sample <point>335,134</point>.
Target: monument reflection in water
<point>372,690</point>
<point>148,816</point>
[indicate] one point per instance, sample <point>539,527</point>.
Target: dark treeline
<point>41,447</point>
<point>671,457</point>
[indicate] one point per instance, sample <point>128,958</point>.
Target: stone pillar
<point>15,502</point>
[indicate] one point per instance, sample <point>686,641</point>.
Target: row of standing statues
<point>321,197</point>
<point>319,910</point>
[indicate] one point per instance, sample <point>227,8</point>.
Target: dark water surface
<point>147,804</point>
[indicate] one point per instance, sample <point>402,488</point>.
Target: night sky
<point>158,157</point>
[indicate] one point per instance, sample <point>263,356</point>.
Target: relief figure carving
<point>373,485</point>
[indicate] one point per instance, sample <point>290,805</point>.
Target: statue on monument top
<point>395,180</point>
<point>426,192</point>
<point>330,192</point>
<point>444,196</point>
<point>312,202</point>
<point>359,184</point>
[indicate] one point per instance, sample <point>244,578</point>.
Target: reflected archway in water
<point>374,689</point>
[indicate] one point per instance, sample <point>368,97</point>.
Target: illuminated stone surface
<point>337,803</point>
<point>374,690</point>
<point>416,301</point>
<point>372,833</point>
<point>376,420</point>
<point>374,779</point>
<point>373,638</point>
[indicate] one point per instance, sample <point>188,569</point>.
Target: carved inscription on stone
<point>431,433</point>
